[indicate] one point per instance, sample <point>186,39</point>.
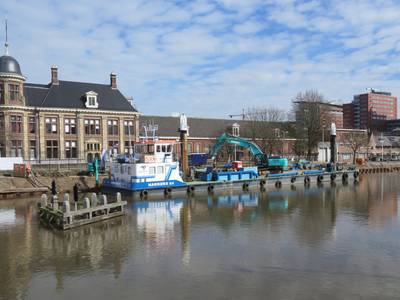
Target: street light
<point>283,148</point>
<point>382,145</point>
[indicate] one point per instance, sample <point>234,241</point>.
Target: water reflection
<point>297,233</point>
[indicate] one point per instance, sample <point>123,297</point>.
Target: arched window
<point>90,158</point>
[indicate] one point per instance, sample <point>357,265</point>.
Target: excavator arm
<point>233,139</point>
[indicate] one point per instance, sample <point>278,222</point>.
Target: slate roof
<point>198,127</point>
<point>386,141</point>
<point>71,95</point>
<point>9,65</point>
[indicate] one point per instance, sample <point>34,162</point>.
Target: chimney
<point>54,74</point>
<point>113,80</point>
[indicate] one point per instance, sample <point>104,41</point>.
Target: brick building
<point>370,111</point>
<point>62,120</point>
<point>345,152</point>
<point>204,132</point>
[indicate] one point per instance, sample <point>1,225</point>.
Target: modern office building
<point>370,111</point>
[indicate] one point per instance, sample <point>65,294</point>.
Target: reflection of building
<point>62,119</point>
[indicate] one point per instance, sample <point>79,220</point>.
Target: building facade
<point>62,120</point>
<point>370,111</point>
<point>204,132</point>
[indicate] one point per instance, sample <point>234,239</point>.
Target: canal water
<point>333,241</point>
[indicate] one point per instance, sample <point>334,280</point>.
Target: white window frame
<point>91,100</point>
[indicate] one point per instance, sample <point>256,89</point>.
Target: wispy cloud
<point>210,58</point>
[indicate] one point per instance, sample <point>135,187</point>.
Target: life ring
<point>144,193</point>
<point>356,174</point>
<point>278,184</point>
<point>190,189</point>
<point>245,185</point>
<point>211,187</point>
<point>345,176</point>
<point>263,182</point>
<point>293,179</point>
<point>168,191</point>
<point>333,177</point>
<point>307,179</point>
<point>320,177</point>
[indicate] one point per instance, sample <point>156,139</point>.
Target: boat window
<point>160,170</point>
<point>122,169</point>
<point>164,148</point>
<point>129,170</point>
<point>158,148</point>
<point>150,149</point>
<point>152,170</point>
<point>138,149</point>
<point>169,148</point>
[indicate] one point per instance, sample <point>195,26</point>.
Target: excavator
<point>261,160</point>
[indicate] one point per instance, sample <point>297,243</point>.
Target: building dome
<point>9,65</point>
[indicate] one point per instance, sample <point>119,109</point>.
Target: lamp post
<point>382,145</point>
<point>283,148</point>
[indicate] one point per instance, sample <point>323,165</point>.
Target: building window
<point>92,126</point>
<point>129,149</point>
<point>1,93</point>
<point>70,126</point>
<point>189,149</point>
<point>112,127</point>
<point>346,156</point>
<point>70,149</point>
<point>128,127</point>
<point>51,125</point>
<point>91,100</point>
<point>114,145</point>
<point>16,124</point>
<point>32,125</point>
<point>207,149</point>
<point>198,149</point>
<point>16,148</point>
<point>32,149</point>
<point>52,149</point>
<point>92,146</point>
<point>13,92</point>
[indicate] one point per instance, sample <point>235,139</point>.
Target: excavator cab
<point>261,160</point>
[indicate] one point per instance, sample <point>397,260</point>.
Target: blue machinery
<point>260,159</point>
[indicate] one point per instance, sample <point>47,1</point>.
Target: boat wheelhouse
<point>152,165</point>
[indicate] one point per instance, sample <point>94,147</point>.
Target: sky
<point>210,59</point>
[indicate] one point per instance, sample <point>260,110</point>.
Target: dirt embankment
<point>65,181</point>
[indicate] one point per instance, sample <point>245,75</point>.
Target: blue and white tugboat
<point>153,166</point>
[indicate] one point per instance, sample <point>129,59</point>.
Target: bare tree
<point>265,126</point>
<point>356,141</point>
<point>308,112</point>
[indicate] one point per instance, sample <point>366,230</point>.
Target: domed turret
<point>9,65</point>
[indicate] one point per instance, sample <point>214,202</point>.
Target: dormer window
<point>91,100</point>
